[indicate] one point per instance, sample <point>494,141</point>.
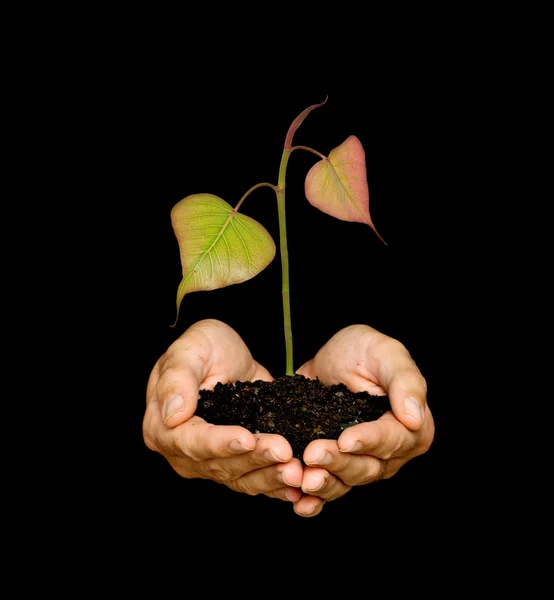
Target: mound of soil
<point>298,408</point>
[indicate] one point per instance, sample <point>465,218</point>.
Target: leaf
<point>298,121</point>
<point>218,246</point>
<point>337,185</point>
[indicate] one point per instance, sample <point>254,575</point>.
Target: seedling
<point>220,246</point>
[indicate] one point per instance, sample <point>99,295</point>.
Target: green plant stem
<point>309,150</point>
<point>283,247</point>
<point>254,187</point>
<point>280,191</point>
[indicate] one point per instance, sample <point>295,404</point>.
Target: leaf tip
<point>370,223</point>
<point>381,238</point>
<point>177,313</point>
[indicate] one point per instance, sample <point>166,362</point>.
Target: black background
<point>173,134</point>
<point>115,125</point>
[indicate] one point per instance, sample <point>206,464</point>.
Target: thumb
<point>173,395</point>
<point>407,392</point>
<point>178,397</point>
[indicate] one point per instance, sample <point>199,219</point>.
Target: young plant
<point>220,246</point>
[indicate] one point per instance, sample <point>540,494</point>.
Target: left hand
<point>365,359</point>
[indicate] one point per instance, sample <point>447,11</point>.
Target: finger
<point>276,481</point>
<point>271,450</point>
<point>384,438</point>
<point>287,494</point>
<point>219,453</point>
<point>309,506</point>
<point>319,482</point>
<point>201,441</point>
<point>350,469</point>
<point>275,448</point>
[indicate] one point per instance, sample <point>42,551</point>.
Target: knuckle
<point>217,470</point>
<point>337,488</point>
<point>191,442</point>
<point>373,469</point>
<point>150,442</point>
<point>368,470</point>
<point>169,450</point>
<point>387,443</point>
<point>368,475</point>
<point>147,431</point>
<point>261,481</point>
<point>414,376</point>
<point>239,485</point>
<point>391,468</point>
<point>388,452</point>
<point>162,361</point>
<point>334,488</point>
<point>392,346</point>
<point>382,445</point>
<point>147,436</point>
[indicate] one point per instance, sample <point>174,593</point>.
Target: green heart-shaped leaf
<point>218,246</point>
<point>337,185</point>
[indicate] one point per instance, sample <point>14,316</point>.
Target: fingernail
<point>238,447</point>
<point>291,495</point>
<point>173,405</point>
<point>413,407</point>
<point>318,486</point>
<point>281,479</point>
<point>270,455</point>
<point>354,448</point>
<point>325,459</point>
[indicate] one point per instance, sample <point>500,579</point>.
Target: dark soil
<point>299,409</point>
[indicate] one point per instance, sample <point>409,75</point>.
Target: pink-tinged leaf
<point>337,185</point>
<point>218,246</point>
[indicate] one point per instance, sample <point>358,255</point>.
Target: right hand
<point>209,352</point>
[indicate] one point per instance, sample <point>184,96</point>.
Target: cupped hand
<point>365,359</point>
<point>209,352</point>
